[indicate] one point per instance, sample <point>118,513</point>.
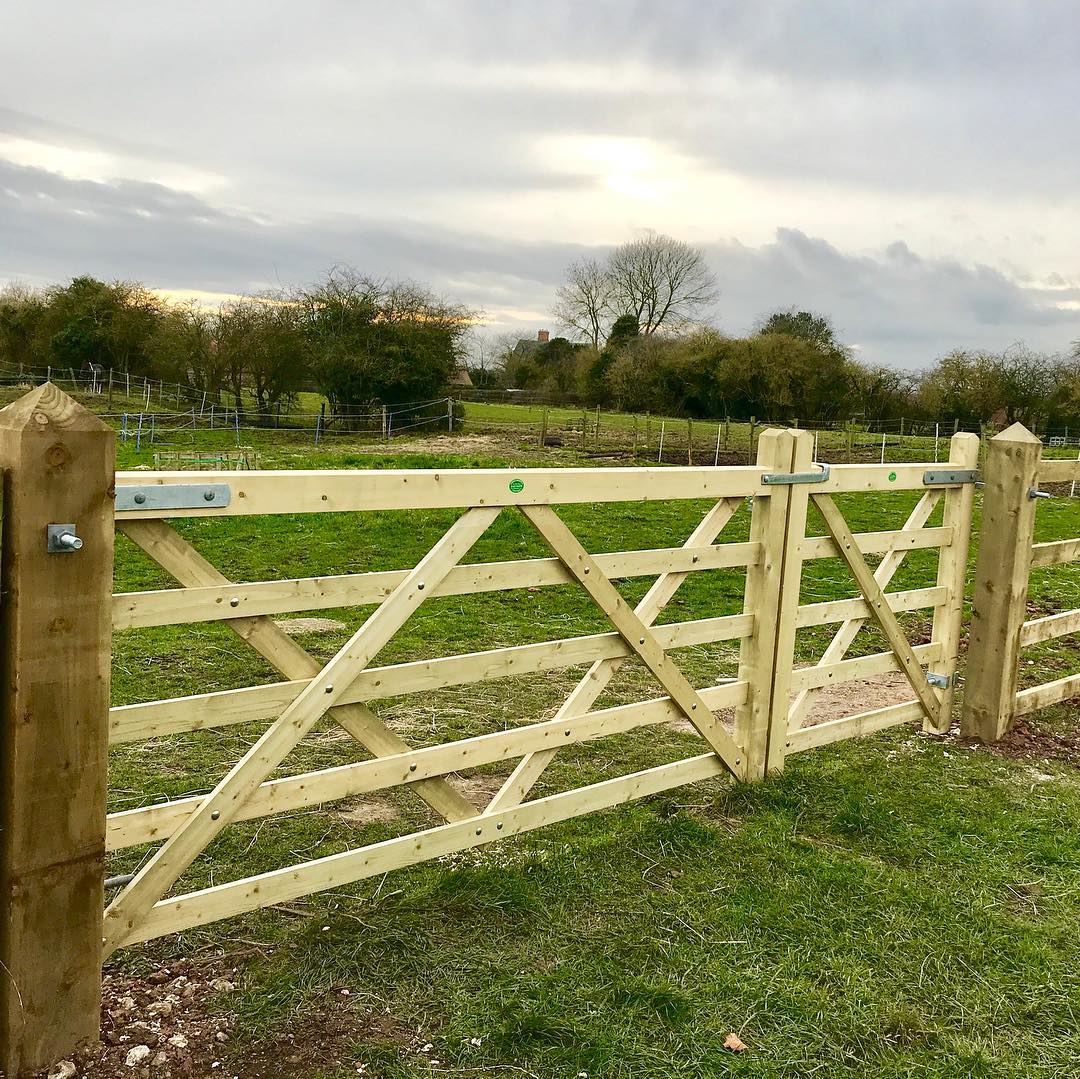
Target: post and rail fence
<point>63,503</point>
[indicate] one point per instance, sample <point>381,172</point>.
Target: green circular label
<point>892,475</point>
<point>517,486</point>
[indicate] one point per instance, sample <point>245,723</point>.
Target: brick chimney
<point>542,336</point>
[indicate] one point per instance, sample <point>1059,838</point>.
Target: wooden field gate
<point>62,503</point>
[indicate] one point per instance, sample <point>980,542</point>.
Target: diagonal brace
<point>879,605</point>
<point>170,860</point>
<point>638,636</point>
<point>595,680</point>
<point>175,555</point>
<point>842,640</point>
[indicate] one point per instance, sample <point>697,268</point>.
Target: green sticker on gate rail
<point>517,486</point>
<point>892,476</point>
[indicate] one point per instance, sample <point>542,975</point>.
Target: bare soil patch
<point>294,627</point>
<point>1029,742</point>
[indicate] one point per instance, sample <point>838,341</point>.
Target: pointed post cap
<point>1017,433</point>
<point>48,406</point>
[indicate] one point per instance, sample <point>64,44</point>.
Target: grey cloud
<point>897,306</point>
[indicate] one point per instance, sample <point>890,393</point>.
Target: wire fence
<point>140,409</point>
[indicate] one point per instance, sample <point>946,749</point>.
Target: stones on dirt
<point>136,1055</point>
<point>63,1069</point>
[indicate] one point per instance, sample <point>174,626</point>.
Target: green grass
<point>896,906</point>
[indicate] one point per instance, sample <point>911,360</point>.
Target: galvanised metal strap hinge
<point>173,496</point>
<point>949,477</point>
<point>779,478</point>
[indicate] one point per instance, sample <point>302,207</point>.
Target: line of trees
<point>637,341</point>
<point>360,341</point>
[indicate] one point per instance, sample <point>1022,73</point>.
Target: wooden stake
<point>55,641</point>
<point>1001,582</point>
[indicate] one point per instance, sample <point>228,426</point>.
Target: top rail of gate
<point>214,494</point>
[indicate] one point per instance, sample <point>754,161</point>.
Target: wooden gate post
<point>55,625</point>
<point>1001,582</point>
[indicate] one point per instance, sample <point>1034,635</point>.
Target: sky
<point>909,169</point>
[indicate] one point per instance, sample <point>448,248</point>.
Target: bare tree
<point>660,280</point>
<point>583,302</point>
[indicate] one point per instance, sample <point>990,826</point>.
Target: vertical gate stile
<point>999,603</point>
<point>788,604</point>
<point>952,576</point>
<point>768,527</point>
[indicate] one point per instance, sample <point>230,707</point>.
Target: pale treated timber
<point>887,569</point>
<point>846,670</point>
<point>154,822</point>
<point>282,885</point>
<point>757,654</point>
<point>837,730</point>
<point>174,606</point>
<point>952,576</point>
<point>802,443</point>
<point>55,652</point>
<point>178,852</point>
<point>879,607</point>
<point>338,490</point>
<point>1059,471</point>
<point>1031,700</point>
<point>323,491</point>
<point>846,610</point>
<point>177,715</point>
<point>1053,625</point>
<point>638,636</point>
<point>904,539</point>
<point>529,770</point>
<point>174,554</point>
<point>999,603</point>
<point>1056,553</point>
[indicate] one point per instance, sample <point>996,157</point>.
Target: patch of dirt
<point>366,810</point>
<point>479,789</point>
<point>326,1037</point>
<point>294,627</point>
<point>159,1026</point>
<point>836,702</point>
<point>858,695</point>
<point>1027,742</point>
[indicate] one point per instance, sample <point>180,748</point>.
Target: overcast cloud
<point>910,169</point>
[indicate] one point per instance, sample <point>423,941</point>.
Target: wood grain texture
<point>55,631</point>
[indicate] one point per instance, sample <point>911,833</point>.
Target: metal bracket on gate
<point>948,477</point>
<point>173,496</point>
<point>779,478</point>
<point>942,681</point>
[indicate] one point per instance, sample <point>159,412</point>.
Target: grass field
<point>896,906</point>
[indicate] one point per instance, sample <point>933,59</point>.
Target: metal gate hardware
<point>1034,492</point>
<point>173,496</point>
<point>61,539</point>
<point>779,478</point>
<point>942,681</point>
<point>938,477</point>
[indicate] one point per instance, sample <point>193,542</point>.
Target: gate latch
<point>781,478</point>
